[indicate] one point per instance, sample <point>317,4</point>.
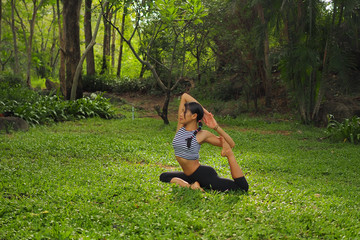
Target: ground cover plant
<point>347,131</point>
<point>98,179</point>
<point>37,108</point>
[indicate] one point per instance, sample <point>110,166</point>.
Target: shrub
<point>10,80</point>
<point>115,84</point>
<point>347,131</point>
<point>223,89</point>
<point>38,109</point>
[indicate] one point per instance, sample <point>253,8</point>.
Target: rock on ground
<point>13,123</point>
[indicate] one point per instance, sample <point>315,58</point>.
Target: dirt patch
<point>145,103</point>
<point>142,101</point>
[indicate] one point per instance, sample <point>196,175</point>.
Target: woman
<point>187,142</point>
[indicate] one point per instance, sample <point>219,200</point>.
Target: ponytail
<point>188,140</point>
<point>194,107</point>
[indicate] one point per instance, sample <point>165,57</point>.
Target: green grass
<point>98,179</point>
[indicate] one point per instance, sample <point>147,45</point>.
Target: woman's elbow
<point>184,96</point>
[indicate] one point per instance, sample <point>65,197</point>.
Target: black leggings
<point>208,179</point>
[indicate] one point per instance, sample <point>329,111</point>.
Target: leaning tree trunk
<point>71,15</point>
<point>90,62</point>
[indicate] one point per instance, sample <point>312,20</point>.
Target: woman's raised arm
<point>211,123</point>
<point>185,98</point>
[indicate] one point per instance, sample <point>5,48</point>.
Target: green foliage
<point>347,131</point>
<point>171,11</point>
<point>222,89</point>
<point>40,109</point>
<point>114,84</point>
<point>299,70</point>
<point>213,38</point>
<point>10,80</point>
<point>96,179</point>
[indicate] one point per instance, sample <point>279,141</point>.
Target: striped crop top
<point>180,145</point>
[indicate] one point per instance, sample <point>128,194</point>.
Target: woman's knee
<point>205,172</point>
<point>165,177</point>
<point>242,183</point>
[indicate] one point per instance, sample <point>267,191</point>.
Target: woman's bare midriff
<point>188,166</point>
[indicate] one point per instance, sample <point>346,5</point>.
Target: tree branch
<point>148,55</point>
<point>151,67</point>
<point>23,27</point>
<point>154,36</point>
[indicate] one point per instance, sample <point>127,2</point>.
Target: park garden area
<point>95,85</point>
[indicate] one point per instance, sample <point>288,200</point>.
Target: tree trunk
<point>62,69</point>
<point>113,39</point>
<point>90,62</point>
<point>118,73</point>
<point>267,67</point>
<point>53,58</point>
<point>341,13</point>
<point>30,42</point>
<point>88,48</point>
<point>164,112</point>
<point>16,52</point>
<point>286,28</point>
<point>106,42</point>
<point>71,15</point>
<point>299,19</point>
<point>142,71</point>
<point>0,21</point>
<point>198,71</point>
<point>323,81</point>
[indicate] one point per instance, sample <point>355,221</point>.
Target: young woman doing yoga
<point>187,142</point>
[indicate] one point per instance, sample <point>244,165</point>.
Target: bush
<point>347,131</point>
<point>10,80</point>
<point>37,109</point>
<point>114,84</point>
<point>223,90</point>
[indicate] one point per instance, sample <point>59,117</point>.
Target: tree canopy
<point>243,49</point>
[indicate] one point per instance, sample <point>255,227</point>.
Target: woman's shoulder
<point>202,135</point>
<point>204,132</point>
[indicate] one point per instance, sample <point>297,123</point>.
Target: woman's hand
<point>209,119</point>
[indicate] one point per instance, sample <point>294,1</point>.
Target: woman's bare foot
<point>180,182</point>
<point>226,149</point>
<point>196,186</point>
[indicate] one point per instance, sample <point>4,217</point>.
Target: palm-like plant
<point>317,45</point>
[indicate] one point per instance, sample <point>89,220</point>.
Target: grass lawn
<point>99,179</point>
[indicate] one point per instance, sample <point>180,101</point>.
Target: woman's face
<point>187,116</point>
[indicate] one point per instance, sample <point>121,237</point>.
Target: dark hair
<point>194,107</point>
